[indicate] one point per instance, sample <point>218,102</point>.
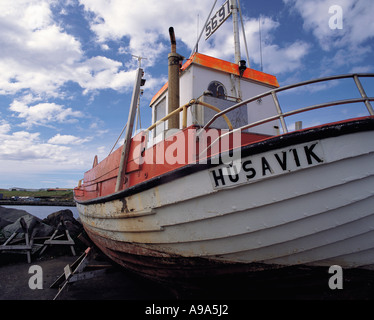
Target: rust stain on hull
<point>169,268</point>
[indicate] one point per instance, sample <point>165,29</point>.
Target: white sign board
<point>220,17</point>
<point>268,164</point>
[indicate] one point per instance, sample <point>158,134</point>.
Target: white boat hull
<point>310,212</point>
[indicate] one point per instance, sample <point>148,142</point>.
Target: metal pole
<point>363,94</point>
<point>234,9</point>
<point>139,58</point>
<point>279,110</point>
<point>137,114</point>
<point>129,128</point>
<point>244,37</point>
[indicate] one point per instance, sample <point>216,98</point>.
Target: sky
<point>67,67</point>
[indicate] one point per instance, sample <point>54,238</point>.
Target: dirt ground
<point>14,283</point>
<point>114,284</point>
<point>118,284</point>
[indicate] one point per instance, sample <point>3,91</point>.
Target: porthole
<point>217,89</point>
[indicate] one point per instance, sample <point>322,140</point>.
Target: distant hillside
<point>66,194</point>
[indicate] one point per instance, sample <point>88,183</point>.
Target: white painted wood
<point>321,214</point>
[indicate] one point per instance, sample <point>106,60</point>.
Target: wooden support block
<point>78,271</point>
<point>73,266</point>
<point>53,239</point>
<point>67,271</point>
<point>19,248</point>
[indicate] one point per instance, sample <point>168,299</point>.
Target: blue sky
<point>67,69</point>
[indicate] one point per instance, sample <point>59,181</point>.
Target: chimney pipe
<point>173,84</point>
<point>172,40</point>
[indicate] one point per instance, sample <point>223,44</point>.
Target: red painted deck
<point>163,157</point>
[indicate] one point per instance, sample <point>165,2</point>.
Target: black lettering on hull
<point>282,162</point>
<point>296,157</point>
<point>235,177</point>
<point>265,166</point>
<point>250,170</point>
<point>219,177</point>
<point>268,164</point>
<point>310,154</point>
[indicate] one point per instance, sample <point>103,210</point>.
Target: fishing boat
<point>219,184</point>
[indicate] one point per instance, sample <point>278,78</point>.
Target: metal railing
<point>183,109</point>
<point>282,115</point>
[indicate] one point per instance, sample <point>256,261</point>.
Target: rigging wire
<point>118,139</point>
<point>259,30</point>
<point>138,119</point>
<point>202,30</point>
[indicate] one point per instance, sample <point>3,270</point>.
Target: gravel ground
<point>114,284</point>
<point>118,284</point>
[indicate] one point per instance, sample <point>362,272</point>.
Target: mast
<point>234,9</point>
<point>137,119</point>
<point>130,124</point>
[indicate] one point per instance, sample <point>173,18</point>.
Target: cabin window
<point>217,89</point>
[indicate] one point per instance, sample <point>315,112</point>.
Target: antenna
<point>197,34</point>
<point>138,119</point>
<point>202,30</point>
<point>139,58</point>
<point>259,29</point>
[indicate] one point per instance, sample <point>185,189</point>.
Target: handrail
<point>204,104</point>
<point>281,115</point>
<point>286,114</point>
<point>184,109</point>
<point>273,92</point>
<point>170,115</point>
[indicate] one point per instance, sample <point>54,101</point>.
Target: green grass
<point>63,194</point>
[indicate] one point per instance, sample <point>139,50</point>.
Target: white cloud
<point>137,23</point>
<point>345,48</point>
<point>4,127</point>
<point>38,55</point>
<point>67,140</point>
<point>43,113</point>
<point>31,14</point>
<point>22,145</point>
<point>103,73</point>
<point>358,23</point>
<point>276,59</point>
<point>145,23</point>
<point>26,158</point>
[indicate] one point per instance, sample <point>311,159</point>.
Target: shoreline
<point>37,203</point>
